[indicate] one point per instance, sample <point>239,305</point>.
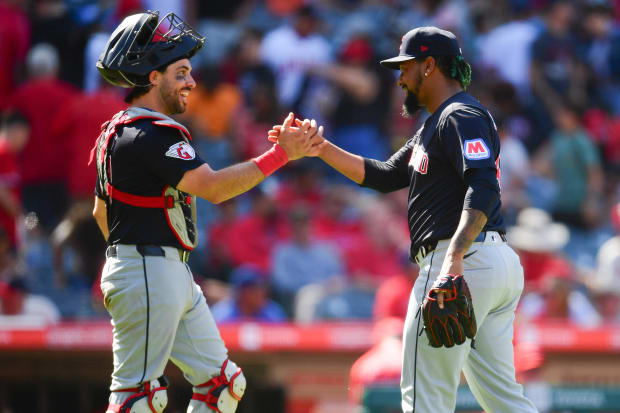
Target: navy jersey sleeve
<point>471,144</point>
<point>390,175</point>
<point>165,153</point>
<point>468,140</point>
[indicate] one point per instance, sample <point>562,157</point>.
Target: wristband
<point>271,160</point>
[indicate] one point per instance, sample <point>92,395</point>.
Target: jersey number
<point>419,161</point>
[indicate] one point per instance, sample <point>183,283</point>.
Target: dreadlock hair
<point>455,67</point>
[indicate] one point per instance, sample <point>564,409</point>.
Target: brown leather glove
<point>456,321</point>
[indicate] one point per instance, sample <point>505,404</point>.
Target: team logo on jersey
<point>181,150</point>
<point>419,161</point>
<point>475,149</point>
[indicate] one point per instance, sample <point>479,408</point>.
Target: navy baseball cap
<point>422,42</point>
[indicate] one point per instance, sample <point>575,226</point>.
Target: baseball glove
<point>456,321</point>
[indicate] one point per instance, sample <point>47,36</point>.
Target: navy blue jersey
<point>457,142</point>
<point>145,158</point>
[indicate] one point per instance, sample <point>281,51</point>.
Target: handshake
<point>298,138</point>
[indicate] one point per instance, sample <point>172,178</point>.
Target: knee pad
<point>151,397</point>
<point>225,390</point>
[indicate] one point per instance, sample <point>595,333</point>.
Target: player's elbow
<point>210,193</point>
<point>213,198</point>
<point>200,182</point>
<point>99,209</point>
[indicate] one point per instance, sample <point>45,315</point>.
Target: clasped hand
<point>304,139</point>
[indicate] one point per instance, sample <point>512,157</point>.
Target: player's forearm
<point>348,164</point>
<point>219,186</point>
<point>361,84</point>
<point>471,223</point>
<point>237,179</point>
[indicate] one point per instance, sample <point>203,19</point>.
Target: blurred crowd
<point>306,244</point>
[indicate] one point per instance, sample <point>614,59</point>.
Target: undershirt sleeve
<point>482,190</point>
<point>390,175</point>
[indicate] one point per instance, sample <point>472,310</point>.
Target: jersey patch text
<point>474,149</point>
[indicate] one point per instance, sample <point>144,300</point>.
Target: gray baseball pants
<point>158,314</point>
<point>430,376</point>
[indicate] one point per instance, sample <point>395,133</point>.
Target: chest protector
<point>179,207</point>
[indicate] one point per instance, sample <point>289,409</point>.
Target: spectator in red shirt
<point>392,298</point>
<point>552,289</point>
<point>45,158</point>
<point>14,44</point>
<point>78,123</point>
<point>219,257</point>
<point>302,186</point>
<point>374,257</point>
<point>14,132</point>
<point>381,364</point>
<point>337,219</point>
<point>538,241</point>
<point>253,236</point>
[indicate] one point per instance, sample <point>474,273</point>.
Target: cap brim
<point>394,62</point>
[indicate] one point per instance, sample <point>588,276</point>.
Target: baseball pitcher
<point>461,310</point>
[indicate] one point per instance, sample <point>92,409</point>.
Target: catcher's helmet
<point>143,43</point>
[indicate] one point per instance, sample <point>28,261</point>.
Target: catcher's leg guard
<point>151,397</point>
<point>223,391</point>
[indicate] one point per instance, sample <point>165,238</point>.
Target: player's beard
<point>171,98</point>
<point>412,105</point>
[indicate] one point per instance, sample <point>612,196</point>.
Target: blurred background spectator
<point>605,282</point>
<point>8,262</point>
<point>357,102</point>
<point>539,241</point>
<point>249,300</point>
<point>290,50</point>
<point>392,299</point>
<point>555,97</point>
<point>557,76</point>
<point>382,363</point>
<point>14,134</point>
<point>44,159</point>
<point>14,44</point>
<point>20,308</point>
<point>303,260</point>
<point>77,124</point>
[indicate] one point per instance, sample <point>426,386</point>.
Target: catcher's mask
<point>143,43</point>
